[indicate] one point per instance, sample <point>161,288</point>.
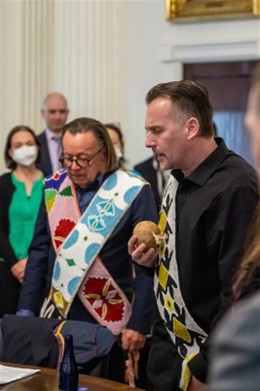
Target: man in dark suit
<point>157,178</point>
<point>54,112</point>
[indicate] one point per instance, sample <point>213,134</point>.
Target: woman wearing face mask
<point>20,197</point>
<point>117,139</point>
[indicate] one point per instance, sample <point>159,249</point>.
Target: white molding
<point>210,52</point>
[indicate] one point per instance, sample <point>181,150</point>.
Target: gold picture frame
<point>197,10</point>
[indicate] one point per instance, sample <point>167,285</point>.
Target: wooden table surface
<point>47,380</point>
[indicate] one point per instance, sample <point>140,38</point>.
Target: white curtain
<point>230,126</point>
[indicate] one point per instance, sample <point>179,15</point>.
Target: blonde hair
<point>251,259</point>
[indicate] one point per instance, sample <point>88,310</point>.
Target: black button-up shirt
<point>214,208</point>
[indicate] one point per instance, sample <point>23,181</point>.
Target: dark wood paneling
<point>228,82</point>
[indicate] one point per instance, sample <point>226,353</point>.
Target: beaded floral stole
<point>185,333</point>
<point>78,240</point>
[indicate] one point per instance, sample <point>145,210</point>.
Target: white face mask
<point>118,152</point>
<point>25,155</point>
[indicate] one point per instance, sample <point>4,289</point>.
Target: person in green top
<point>21,192</point>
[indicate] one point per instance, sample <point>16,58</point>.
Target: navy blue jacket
<point>147,170</point>
<point>45,164</point>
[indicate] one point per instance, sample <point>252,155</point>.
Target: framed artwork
<point>197,10</point>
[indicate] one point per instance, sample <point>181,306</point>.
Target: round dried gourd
<point>146,232</point>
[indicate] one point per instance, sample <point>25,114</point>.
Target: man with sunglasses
<point>54,113</point>
<point>88,216</point>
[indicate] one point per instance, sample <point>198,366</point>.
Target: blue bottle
<point>68,371</point>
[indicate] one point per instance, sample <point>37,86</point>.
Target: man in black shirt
<point>206,212</point>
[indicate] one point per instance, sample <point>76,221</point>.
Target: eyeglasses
<point>82,162</point>
<point>61,111</point>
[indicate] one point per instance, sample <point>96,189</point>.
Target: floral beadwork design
<point>104,298</point>
<point>62,230</point>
